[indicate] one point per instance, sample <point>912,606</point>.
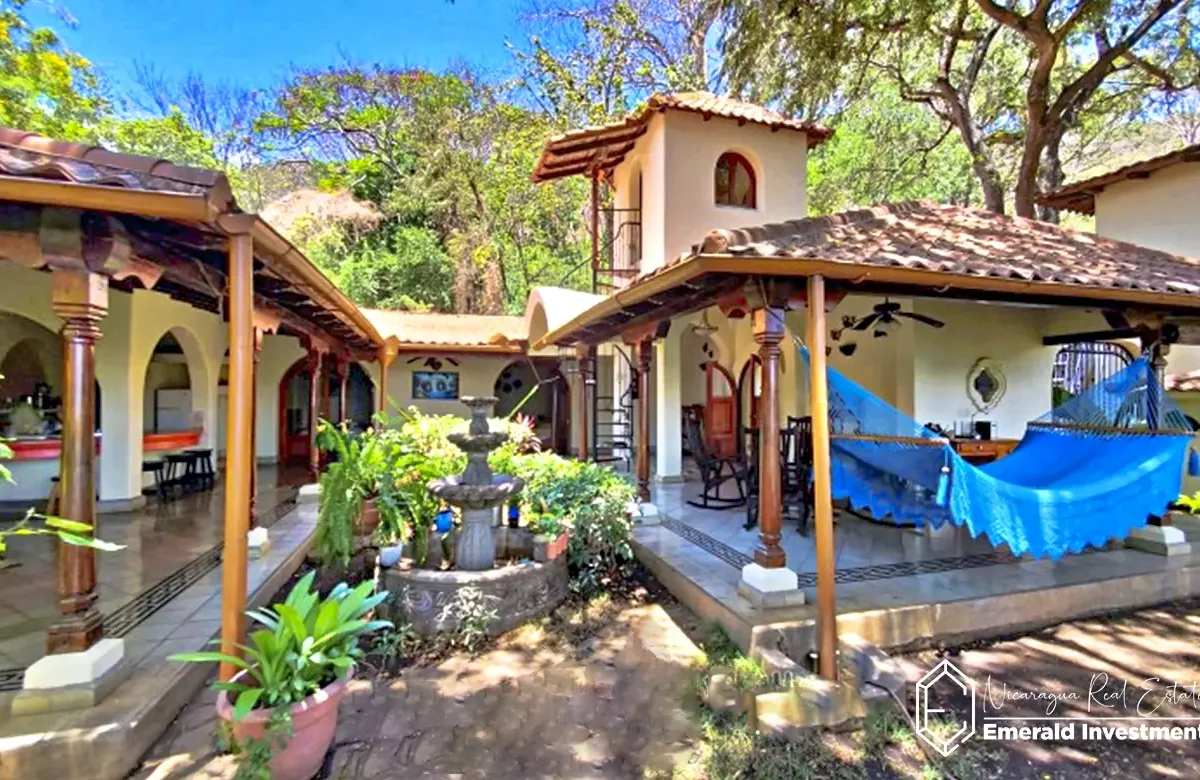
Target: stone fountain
<point>477,492</point>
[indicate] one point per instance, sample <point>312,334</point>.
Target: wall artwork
<point>435,385</point>
<point>986,384</point>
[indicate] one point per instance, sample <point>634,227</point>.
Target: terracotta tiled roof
<point>1182,383</point>
<point>1081,196</point>
<point>31,155</point>
<point>604,146</point>
<point>958,240</point>
<point>449,330</point>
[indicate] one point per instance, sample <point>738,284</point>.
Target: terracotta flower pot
<point>367,520</point>
<point>546,549</point>
<point>314,722</point>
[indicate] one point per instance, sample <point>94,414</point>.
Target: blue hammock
<point>1090,470</point>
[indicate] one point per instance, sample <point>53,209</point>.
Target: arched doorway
<point>31,388</point>
<point>360,397</point>
<point>720,412</point>
<point>167,391</point>
<point>749,391</point>
<point>536,389</point>
<point>294,423</point>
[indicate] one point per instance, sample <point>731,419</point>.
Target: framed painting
<point>435,385</point>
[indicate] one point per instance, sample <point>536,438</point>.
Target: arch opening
<point>734,182</point>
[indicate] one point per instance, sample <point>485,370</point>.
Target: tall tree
<point>1013,79</point>
<point>591,60</point>
<point>443,152</point>
<point>44,86</point>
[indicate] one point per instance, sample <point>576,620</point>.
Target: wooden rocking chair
<point>715,471</point>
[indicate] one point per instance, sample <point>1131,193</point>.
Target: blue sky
<point>258,42</point>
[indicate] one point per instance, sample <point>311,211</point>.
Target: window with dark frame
<point>734,182</point>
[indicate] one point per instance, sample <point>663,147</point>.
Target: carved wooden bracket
<point>83,240</point>
<point>144,271</point>
<point>646,332</point>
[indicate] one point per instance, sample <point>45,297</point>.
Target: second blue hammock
<point>1088,471</point>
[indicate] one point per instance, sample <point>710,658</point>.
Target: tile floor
<point>161,541</point>
<point>879,567</point>
<point>858,543</point>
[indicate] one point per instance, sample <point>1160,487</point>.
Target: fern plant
<point>362,468</point>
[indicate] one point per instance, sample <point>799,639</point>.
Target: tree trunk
<point>1051,176</point>
<point>972,136</point>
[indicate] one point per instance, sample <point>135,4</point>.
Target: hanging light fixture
<point>704,327</point>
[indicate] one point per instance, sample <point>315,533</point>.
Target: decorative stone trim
<point>517,593</point>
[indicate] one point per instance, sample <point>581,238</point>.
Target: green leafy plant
<point>305,644</point>
<point>471,609</point>
<point>68,531</point>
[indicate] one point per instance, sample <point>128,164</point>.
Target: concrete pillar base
<point>258,541</point>
<point>644,513</point>
<point>669,479</point>
<point>770,588</point>
<point>308,494</point>
<point>1159,539</point>
<point>1189,524</point>
<point>72,681</point>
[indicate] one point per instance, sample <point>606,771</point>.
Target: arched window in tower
<point>734,182</point>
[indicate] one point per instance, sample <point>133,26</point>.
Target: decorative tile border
<point>129,615</point>
<point>735,558</point>
<point>881,571</point>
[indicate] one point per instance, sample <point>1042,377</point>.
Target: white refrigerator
<point>172,410</point>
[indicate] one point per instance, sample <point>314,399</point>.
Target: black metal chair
<point>156,467</point>
<point>206,475</point>
<point>715,471</point>
<point>795,464</point>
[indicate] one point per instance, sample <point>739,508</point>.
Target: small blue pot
<point>445,521</point>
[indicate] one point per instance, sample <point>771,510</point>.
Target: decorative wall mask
<point>986,384</point>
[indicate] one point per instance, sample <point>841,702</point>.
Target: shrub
<point>589,499</point>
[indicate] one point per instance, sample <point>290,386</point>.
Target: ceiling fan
<point>884,315</point>
<point>881,320</point>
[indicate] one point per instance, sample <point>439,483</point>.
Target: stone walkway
<point>518,711</point>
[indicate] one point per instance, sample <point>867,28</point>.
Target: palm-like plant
<point>305,644</point>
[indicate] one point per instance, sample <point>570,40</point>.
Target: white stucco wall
<point>476,376</point>
<point>676,158</point>
<point>1158,212</point>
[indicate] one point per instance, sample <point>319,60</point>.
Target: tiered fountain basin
<point>495,559</point>
<point>518,592</point>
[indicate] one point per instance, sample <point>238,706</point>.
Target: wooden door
<point>749,388</point>
<point>293,414</point>
<point>720,410</point>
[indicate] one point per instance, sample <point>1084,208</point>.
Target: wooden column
<point>595,230</point>
<point>386,355</point>
<point>768,332</point>
<point>314,412</point>
<point>258,337</point>
<point>643,419</point>
<point>581,354</point>
<point>822,490</point>
<point>238,447</point>
<point>344,391</point>
<point>80,297</point>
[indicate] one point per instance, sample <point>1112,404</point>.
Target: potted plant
<point>352,486</point>
<point>294,674</point>
<point>549,537</point>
